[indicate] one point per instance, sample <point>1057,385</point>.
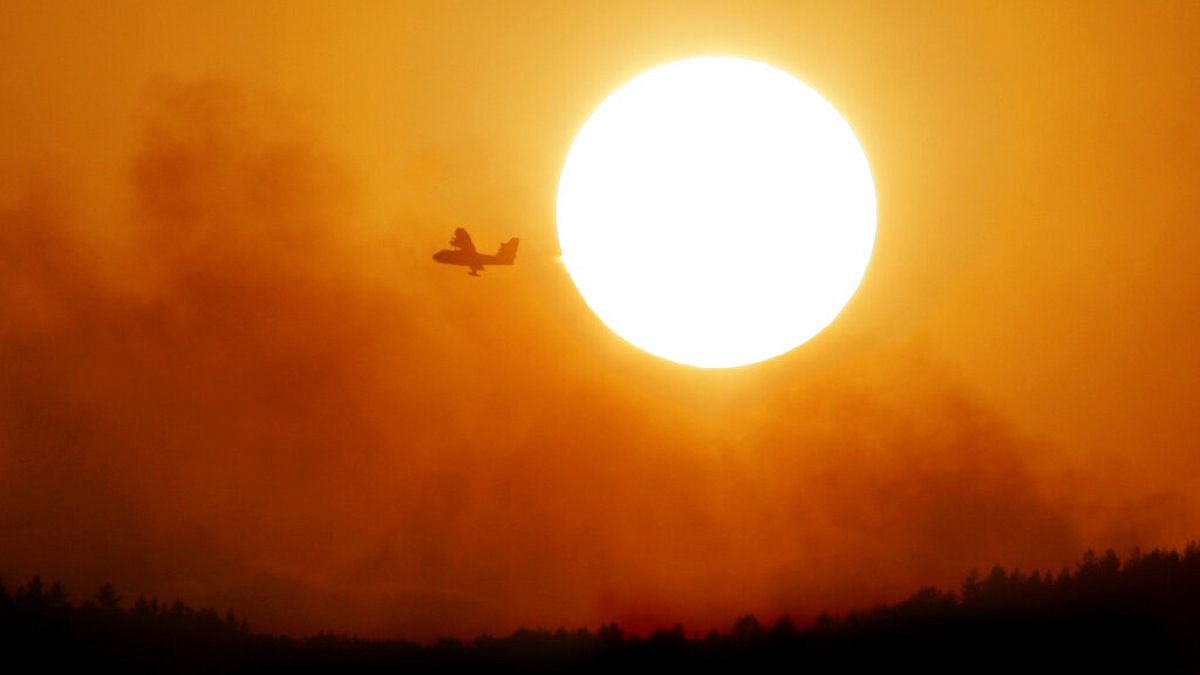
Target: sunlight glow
<point>716,212</point>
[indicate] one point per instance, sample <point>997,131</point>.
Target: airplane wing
<point>462,240</point>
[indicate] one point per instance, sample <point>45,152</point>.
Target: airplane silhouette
<point>464,253</point>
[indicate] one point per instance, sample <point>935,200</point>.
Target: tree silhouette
<point>1143,614</point>
<point>107,598</point>
<point>748,629</point>
<point>784,629</point>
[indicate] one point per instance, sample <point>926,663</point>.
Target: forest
<point>1141,614</point>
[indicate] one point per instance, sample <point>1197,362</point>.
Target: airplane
<point>464,253</point>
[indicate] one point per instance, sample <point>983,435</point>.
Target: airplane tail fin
<point>508,252</point>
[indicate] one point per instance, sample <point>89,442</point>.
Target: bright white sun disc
<point>716,212</point>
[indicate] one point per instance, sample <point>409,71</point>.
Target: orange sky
<point>229,371</point>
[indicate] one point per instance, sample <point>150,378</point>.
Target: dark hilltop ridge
<point>1104,616</point>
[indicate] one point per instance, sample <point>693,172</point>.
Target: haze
<point>230,373</point>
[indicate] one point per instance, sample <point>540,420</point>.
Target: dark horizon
<point>1104,612</point>
<point>1090,567</point>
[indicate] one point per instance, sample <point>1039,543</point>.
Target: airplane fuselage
<point>468,258</point>
<point>471,259</point>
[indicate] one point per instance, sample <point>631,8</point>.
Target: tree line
<point>1104,614</point>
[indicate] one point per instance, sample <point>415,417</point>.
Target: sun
<point>716,212</point>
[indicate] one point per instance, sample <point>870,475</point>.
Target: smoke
<point>241,395</point>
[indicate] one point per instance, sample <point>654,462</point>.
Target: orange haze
<point>229,371</point>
